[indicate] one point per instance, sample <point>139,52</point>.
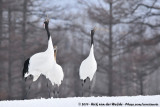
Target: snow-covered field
<point>135,101</point>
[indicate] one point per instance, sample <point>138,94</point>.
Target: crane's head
<point>46,22</point>
<point>55,48</point>
<point>92,34</point>
<point>92,31</point>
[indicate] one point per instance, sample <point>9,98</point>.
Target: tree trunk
<point>141,69</point>
<point>157,82</point>
<point>24,42</point>
<point>9,57</point>
<point>24,28</point>
<point>110,90</point>
<point>1,11</point>
<point>120,80</point>
<point>141,86</point>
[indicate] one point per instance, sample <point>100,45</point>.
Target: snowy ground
<point>136,101</point>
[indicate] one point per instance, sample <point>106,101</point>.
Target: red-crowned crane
<point>41,63</point>
<point>88,66</point>
<point>56,76</point>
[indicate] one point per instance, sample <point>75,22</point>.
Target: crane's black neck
<point>48,33</point>
<point>92,34</point>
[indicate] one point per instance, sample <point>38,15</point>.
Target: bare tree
<point>9,52</point>
<point>1,12</point>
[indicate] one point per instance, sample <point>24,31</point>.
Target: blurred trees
<point>121,24</point>
<point>126,45</point>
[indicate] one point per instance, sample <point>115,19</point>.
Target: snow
<point>134,101</point>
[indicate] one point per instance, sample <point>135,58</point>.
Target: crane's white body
<point>88,67</point>
<point>44,63</point>
<point>56,76</point>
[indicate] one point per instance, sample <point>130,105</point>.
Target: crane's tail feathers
<point>25,68</point>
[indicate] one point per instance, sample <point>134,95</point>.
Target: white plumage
<point>56,76</point>
<point>88,67</point>
<point>42,63</point>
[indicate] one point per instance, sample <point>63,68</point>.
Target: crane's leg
<point>83,82</point>
<point>82,87</point>
<point>28,90</point>
<point>54,92</point>
<point>91,86</point>
<point>57,92</point>
<point>25,79</point>
<point>29,86</point>
<point>48,90</point>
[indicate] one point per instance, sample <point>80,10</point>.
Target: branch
<point>144,5</point>
<point>142,23</point>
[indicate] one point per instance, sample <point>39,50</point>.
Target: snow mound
<point>134,101</point>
